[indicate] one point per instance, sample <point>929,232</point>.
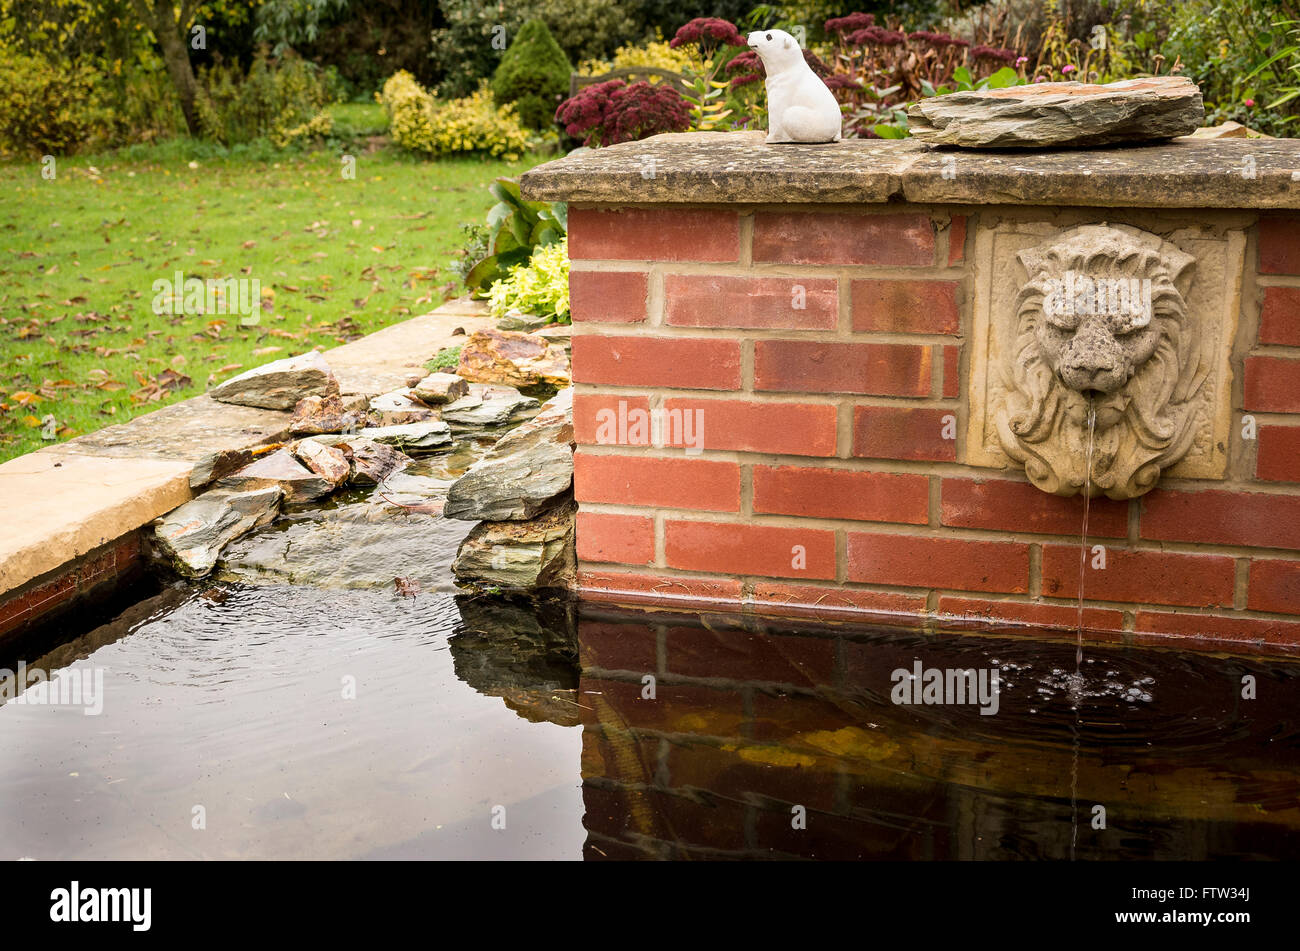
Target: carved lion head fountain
<point>1100,324</point>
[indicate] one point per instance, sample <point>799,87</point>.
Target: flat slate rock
<point>433,434</point>
<point>488,406</point>
<point>191,537</point>
<point>438,388</point>
<point>281,468</point>
<point>515,359</point>
<point>1054,115</point>
<point>524,472</point>
<point>280,384</point>
<point>527,556</point>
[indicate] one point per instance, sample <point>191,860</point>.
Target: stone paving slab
<point>65,500</point>
<point>63,504</point>
<point>730,167</point>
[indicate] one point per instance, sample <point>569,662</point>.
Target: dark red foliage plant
<point>612,112</point>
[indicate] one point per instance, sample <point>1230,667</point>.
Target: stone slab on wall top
<point>729,167</point>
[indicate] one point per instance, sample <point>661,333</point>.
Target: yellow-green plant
<point>474,124</point>
<point>539,287</point>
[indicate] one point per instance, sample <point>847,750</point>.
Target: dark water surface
<point>308,722</point>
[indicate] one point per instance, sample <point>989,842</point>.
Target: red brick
<point>697,300</point>
<point>698,364</point>
<point>1279,454</point>
<point>796,429</point>
<point>1183,627</point>
<point>1251,519</point>
<point>1279,316</point>
<point>616,646</point>
<point>608,296</point>
<point>839,493</point>
<point>627,587</point>
<point>738,654</point>
<point>1004,505</point>
<point>951,372</point>
<point>611,419</point>
<point>613,754</point>
<point>1279,244</point>
<point>801,600</point>
<point>951,563</point>
<point>920,307</point>
<point>1274,586</point>
<point>739,549</point>
<point>688,483</point>
<point>1033,613</point>
<point>627,539</point>
<point>957,240</point>
<point>1140,577</point>
<point>832,838</point>
<point>892,432</point>
<point>654,234</point>
<point>878,369</point>
<point>839,238</point>
<point>1272,384</point>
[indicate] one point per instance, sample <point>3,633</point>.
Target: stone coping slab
<point>730,167</point>
<point>68,499</point>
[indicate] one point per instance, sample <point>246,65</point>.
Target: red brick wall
<point>64,587</point>
<point>823,351</point>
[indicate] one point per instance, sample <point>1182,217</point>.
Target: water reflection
<point>361,723</point>
<point>750,721</point>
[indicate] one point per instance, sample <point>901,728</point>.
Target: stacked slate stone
<point>521,494</point>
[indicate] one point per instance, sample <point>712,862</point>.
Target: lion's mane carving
<point>1081,338</point>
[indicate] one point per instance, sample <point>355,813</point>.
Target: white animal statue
<point>799,106</point>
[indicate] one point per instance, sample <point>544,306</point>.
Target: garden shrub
<point>473,124</point>
<point>534,75</point>
<point>589,29</point>
<point>47,109</point>
<point>539,287</point>
<point>282,98</point>
<point>610,112</point>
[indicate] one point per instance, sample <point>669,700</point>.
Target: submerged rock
<point>328,462</point>
<point>315,415</point>
<point>524,472</point>
<point>516,359</point>
<point>191,537</point>
<point>433,434</point>
<point>280,384</point>
<point>1060,114</point>
<point>438,388</point>
<point>281,468</point>
<point>528,556</point>
<point>359,544</point>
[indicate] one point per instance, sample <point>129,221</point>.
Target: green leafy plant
<point>539,287</point>
<point>516,229</point>
<point>533,75</point>
<point>447,359</point>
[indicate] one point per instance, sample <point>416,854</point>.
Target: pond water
<point>308,722</point>
<point>302,705</point>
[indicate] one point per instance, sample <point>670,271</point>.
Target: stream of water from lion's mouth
<point>1077,684</point>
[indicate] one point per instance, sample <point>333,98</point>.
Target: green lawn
<point>338,257</point>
